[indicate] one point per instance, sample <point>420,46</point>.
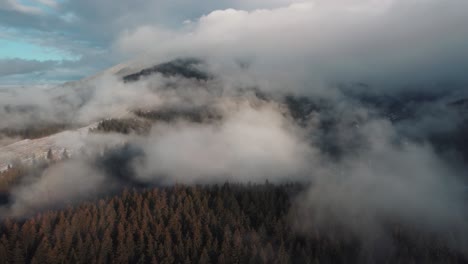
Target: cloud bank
<point>378,42</point>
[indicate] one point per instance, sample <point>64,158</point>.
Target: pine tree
<point>283,257</point>
<point>5,252</point>
<point>50,154</point>
<point>204,258</point>
<point>42,252</point>
<point>18,254</point>
<point>65,154</point>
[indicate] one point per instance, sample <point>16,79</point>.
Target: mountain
<point>185,68</point>
<point>353,170</point>
<point>198,100</point>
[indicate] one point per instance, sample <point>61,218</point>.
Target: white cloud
<point>60,184</point>
<point>18,6</point>
<point>375,41</point>
<point>49,3</point>
<point>251,144</point>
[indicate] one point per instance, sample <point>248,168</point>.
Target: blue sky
<point>39,43</point>
<point>10,48</point>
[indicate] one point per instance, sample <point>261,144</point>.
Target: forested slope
<point>203,224</point>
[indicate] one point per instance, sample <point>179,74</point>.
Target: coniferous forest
<point>230,223</point>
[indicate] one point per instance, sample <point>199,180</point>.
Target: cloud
<point>19,7</point>
<point>20,66</point>
<point>390,43</point>
<point>49,3</point>
<point>67,182</point>
<point>253,143</point>
<point>381,177</point>
<point>385,183</point>
<point>403,181</point>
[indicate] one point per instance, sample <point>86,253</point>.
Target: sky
<point>44,41</point>
<point>50,41</point>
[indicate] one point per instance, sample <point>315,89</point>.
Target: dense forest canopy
<point>229,223</point>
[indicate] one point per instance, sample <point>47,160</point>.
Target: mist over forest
<point>302,132</point>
